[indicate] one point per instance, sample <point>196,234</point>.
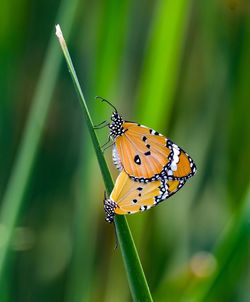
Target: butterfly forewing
<point>147,155</point>
<point>183,165</point>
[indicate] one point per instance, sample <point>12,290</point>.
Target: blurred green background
<point>180,67</point>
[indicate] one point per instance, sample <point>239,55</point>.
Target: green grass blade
<point>15,190</point>
<point>137,281</point>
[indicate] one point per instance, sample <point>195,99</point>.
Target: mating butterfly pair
<point>152,167</point>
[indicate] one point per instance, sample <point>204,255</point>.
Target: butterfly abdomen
<point>116,158</point>
<point>109,208</point>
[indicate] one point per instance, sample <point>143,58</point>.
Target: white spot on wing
<point>173,166</point>
<point>176,151</point>
<point>144,208</point>
<point>175,158</point>
<point>165,195</point>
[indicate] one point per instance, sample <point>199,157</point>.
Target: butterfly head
<point>109,209</point>
<point>116,127</point>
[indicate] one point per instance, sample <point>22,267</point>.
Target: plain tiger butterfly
<point>129,197</point>
<point>145,154</point>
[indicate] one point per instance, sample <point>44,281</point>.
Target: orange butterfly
<point>145,154</point>
<point>129,197</point>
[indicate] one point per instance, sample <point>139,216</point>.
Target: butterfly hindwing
<point>169,188</point>
<point>129,197</point>
<point>132,197</point>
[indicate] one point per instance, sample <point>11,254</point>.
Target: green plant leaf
<point>137,281</point>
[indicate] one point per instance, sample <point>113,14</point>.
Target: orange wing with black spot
<point>147,155</point>
<point>129,197</point>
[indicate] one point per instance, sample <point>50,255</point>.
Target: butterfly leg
<point>104,149</point>
<point>101,125</point>
<point>106,144</point>
<point>109,139</point>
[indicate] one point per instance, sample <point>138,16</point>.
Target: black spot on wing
<point>134,200</point>
<point>147,153</point>
<point>151,131</point>
<point>143,208</point>
<point>144,138</point>
<point>137,159</point>
<point>139,189</point>
<point>148,146</point>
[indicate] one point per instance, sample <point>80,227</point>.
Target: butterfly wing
<point>132,197</point>
<point>180,165</point>
<point>146,154</point>
<point>169,188</point>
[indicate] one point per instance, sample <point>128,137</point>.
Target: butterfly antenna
<point>116,237</point>
<point>106,101</point>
